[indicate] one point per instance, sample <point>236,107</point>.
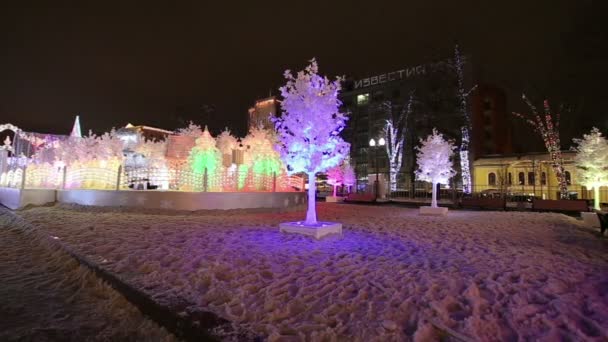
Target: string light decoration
<point>463,96</point>
<point>547,125</point>
<point>395,131</point>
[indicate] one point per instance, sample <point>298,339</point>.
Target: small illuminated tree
<point>226,142</point>
<point>265,160</point>
<point>335,177</point>
<point>591,161</point>
<point>434,164</point>
<point>309,128</point>
<point>349,176</point>
<point>204,157</point>
<point>547,125</point>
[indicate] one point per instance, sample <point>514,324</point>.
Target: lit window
<point>531,180</point>
<point>543,178</point>
<point>362,99</point>
<point>492,178</point>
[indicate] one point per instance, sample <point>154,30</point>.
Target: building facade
<point>262,111</point>
<point>432,90</point>
<point>528,174</point>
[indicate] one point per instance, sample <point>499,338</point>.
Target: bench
<point>560,205</point>
<point>360,198</point>
<point>483,203</point>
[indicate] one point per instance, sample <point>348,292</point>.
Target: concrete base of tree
<point>430,211</point>
<point>317,231</point>
<point>590,219</point>
<point>334,199</point>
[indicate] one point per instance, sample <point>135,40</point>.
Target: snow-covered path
<point>394,275</point>
<point>47,296</point>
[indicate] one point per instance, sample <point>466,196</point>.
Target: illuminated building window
<point>362,99</point>
<point>568,178</point>
<point>521,178</point>
<point>531,180</point>
<point>492,178</point>
<point>543,178</point>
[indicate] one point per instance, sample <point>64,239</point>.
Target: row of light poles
<point>372,143</point>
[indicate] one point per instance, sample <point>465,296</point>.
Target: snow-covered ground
<point>393,275</point>
<point>46,296</point>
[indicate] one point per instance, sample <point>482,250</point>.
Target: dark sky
<point>114,64</point>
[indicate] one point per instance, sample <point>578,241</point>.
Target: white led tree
<point>350,178</point>
<point>226,142</point>
<point>335,177</point>
<point>591,161</point>
<point>434,163</point>
<point>309,128</point>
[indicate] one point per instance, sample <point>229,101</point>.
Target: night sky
<point>114,64</point>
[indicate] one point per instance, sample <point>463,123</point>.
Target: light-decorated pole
<point>372,144</point>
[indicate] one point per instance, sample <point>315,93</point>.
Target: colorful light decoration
<point>547,126</point>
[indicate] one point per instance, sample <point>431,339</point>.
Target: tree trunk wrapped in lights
<point>463,95</point>
<point>395,130</point>
<point>309,129</point>
<point>547,125</point>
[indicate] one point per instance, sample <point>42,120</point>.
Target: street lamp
<point>372,143</point>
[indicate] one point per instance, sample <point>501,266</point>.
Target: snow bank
<point>393,275</point>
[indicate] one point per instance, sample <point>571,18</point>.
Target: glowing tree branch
<point>463,95</point>
<point>309,129</point>
<point>204,157</point>
<point>547,125</point>
<point>434,164</point>
<point>592,162</point>
<point>394,130</point>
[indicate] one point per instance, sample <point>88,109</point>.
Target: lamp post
<point>372,143</point>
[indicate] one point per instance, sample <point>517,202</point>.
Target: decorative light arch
<point>11,127</point>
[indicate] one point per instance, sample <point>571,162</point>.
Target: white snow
<point>46,296</point>
<point>394,275</point>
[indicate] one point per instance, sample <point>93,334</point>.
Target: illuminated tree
<point>547,125</point>
<point>225,142</point>
<point>463,96</point>
<point>395,130</point>
<point>192,130</point>
<point>265,160</point>
<point>349,176</point>
<point>592,162</point>
<point>335,177</point>
<point>309,129</point>
<point>204,156</point>
<point>434,164</point>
